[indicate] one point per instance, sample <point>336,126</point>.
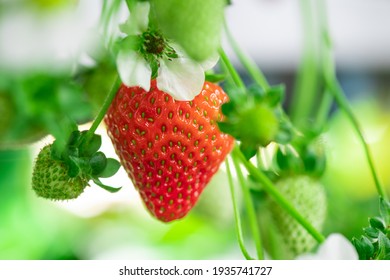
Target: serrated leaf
<point>383,246</point>
<point>377,223</point>
<point>111,168</point>
<point>359,248</point>
<point>98,163</point>
<point>368,247</point>
<point>371,232</point>
<point>105,187</point>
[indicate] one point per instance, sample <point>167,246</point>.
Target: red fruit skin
<point>170,149</point>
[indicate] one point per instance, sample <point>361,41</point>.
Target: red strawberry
<point>169,148</point>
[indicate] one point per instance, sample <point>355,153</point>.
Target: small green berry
<point>51,180</point>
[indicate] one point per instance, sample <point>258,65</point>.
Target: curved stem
<point>249,65</point>
<point>103,110</point>
<point>236,214</point>
<point>277,196</point>
<point>341,100</point>
<point>250,209</point>
<point>335,89</point>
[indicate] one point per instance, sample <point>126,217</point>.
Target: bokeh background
<point>99,225</point>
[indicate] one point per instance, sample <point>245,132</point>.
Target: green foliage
<point>375,243</point>
<point>195,24</point>
<point>38,104</point>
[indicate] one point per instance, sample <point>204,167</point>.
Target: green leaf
<point>103,186</point>
<point>74,138</point>
<point>249,151</point>
<point>275,95</point>
<point>284,135</point>
<point>87,149</point>
<point>377,223</point>
<point>228,109</point>
<point>364,248</point>
<point>73,168</point>
<point>111,168</point>
<point>227,128</point>
<point>371,232</point>
<point>98,163</point>
<point>384,210</point>
<point>287,161</point>
<point>383,246</point>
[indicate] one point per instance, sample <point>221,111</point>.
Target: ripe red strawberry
<point>169,148</point>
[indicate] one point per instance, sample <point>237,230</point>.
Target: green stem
<point>277,196</point>
<point>249,65</point>
<point>335,89</point>
<point>342,102</point>
<point>305,89</point>
<point>236,213</point>
<point>236,78</point>
<point>250,209</point>
<point>103,110</point>
<point>323,111</point>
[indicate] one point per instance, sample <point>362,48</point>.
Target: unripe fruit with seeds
<point>51,180</point>
<point>308,196</point>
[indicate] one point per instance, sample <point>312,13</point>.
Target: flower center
<point>154,42</point>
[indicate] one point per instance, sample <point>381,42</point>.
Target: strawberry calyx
<point>82,157</point>
<point>256,119</point>
<point>302,156</point>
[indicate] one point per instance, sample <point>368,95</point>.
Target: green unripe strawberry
<point>290,239</point>
<point>258,125</point>
<point>195,24</point>
<point>51,180</point>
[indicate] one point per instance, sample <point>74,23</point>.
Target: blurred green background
<point>99,225</point>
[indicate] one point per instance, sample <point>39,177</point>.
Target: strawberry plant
<point>175,120</point>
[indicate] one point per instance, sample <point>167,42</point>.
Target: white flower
<point>180,76</point>
<point>335,247</point>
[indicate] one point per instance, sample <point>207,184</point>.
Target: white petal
<point>335,247</point>
<point>182,78</point>
<point>206,64</point>
<point>210,62</point>
<point>138,19</point>
<point>133,69</point>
